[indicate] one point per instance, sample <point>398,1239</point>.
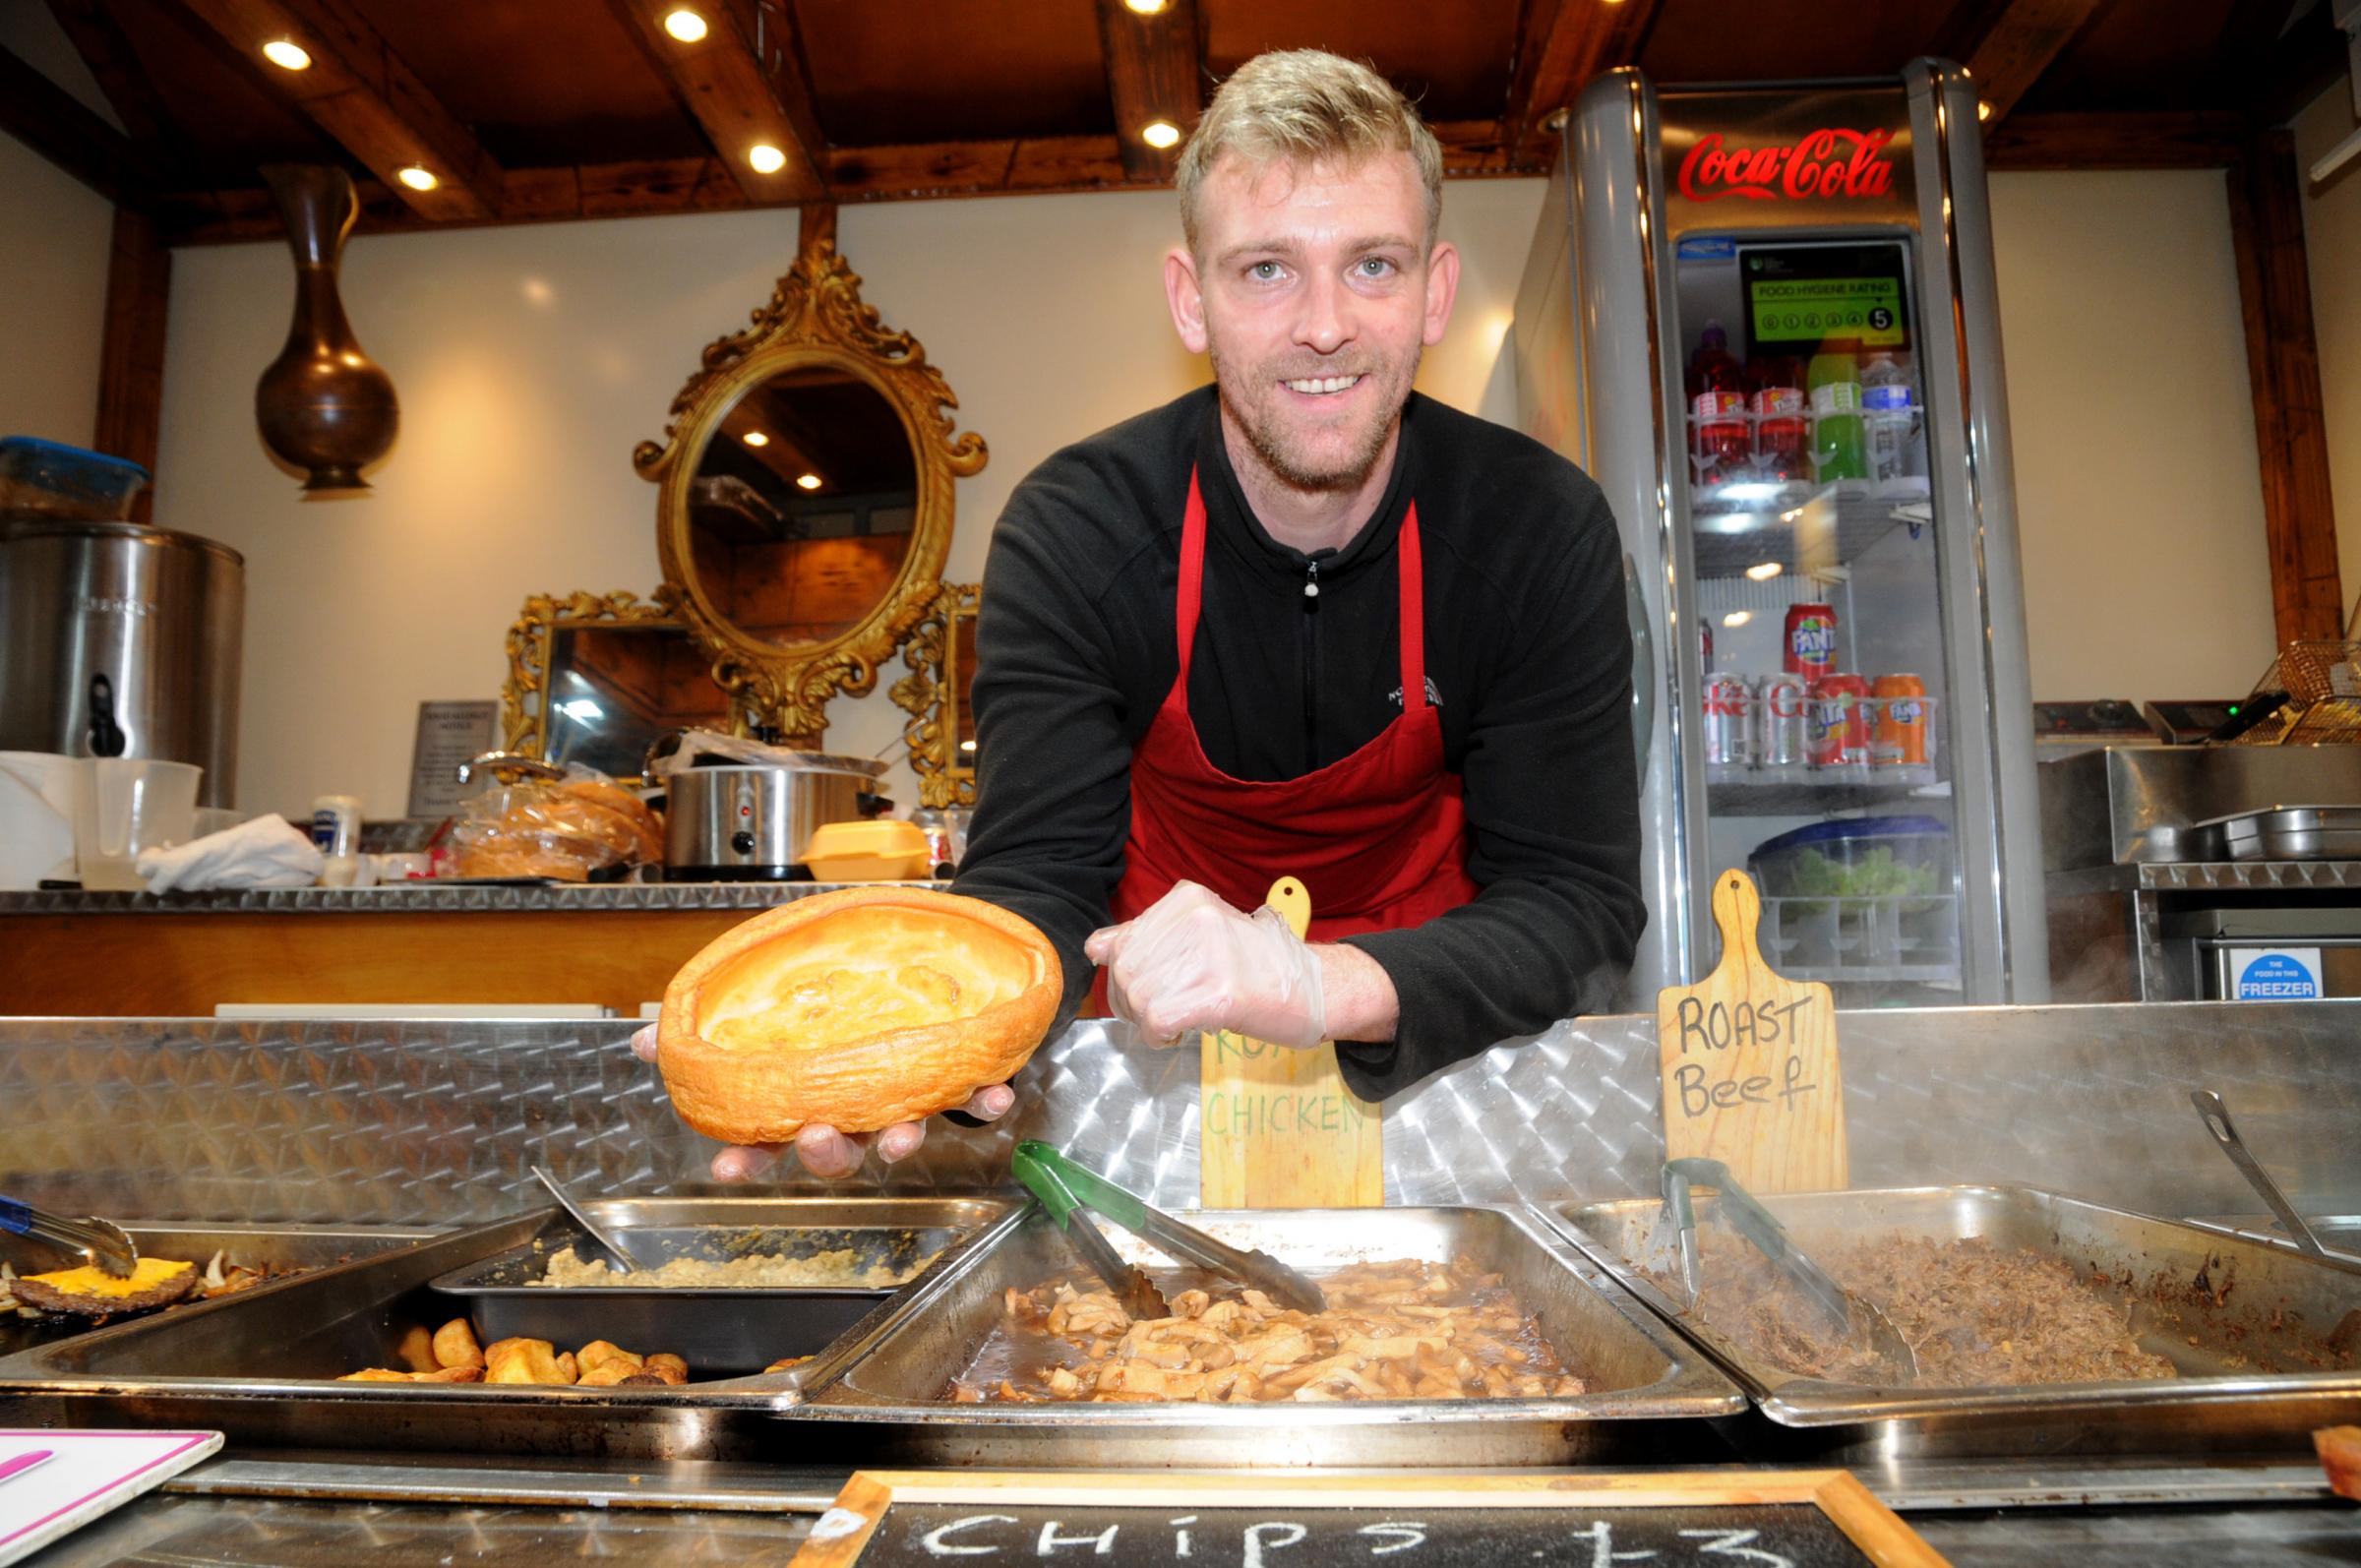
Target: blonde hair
<point>1300,106</point>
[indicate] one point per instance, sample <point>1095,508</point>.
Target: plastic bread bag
<point>571,828</point>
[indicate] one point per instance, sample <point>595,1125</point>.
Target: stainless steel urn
<point>129,631</point>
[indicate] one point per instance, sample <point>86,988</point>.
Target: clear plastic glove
<point>1192,962</point>
<point>826,1152</point>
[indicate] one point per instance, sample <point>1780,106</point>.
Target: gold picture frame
<point>939,734</point>
<point>532,644</point>
<point>816,320</point>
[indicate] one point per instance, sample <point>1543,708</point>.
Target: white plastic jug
<point>128,803</point>
<point>37,794</point>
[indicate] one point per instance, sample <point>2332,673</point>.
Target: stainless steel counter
<point>415,897</point>
<point>293,1515</point>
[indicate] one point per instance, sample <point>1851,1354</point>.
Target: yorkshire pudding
<point>858,1009</point>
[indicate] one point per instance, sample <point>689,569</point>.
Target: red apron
<point>1379,838</point>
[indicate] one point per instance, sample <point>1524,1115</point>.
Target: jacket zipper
<point>1311,663</point>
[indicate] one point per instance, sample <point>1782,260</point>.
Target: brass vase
<point>323,406</point>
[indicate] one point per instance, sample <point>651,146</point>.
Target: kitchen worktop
<point>427,896</point>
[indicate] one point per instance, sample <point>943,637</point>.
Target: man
<point>1305,621</point>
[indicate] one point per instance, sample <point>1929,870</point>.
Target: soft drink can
<point>1901,721</point>
<point>1782,725</point>
<point>1810,645</point>
<point>1839,722</point>
<point>1729,731</point>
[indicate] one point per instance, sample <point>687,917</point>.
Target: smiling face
<point>1313,290</point>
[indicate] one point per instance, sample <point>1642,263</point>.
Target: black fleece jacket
<point>1527,655</point>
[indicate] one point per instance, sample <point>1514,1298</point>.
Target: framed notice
<point>1771,1519</point>
<point>449,734</point>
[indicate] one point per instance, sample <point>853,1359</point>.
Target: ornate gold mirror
<point>595,678</point>
<point>942,732</point>
<point>805,508</point>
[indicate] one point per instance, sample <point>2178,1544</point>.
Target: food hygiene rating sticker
<point>2276,974</point>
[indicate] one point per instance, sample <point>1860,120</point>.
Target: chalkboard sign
<point>1811,1519</point>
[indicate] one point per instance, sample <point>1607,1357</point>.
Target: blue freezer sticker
<point>2277,977</point>
<point>1706,250</point>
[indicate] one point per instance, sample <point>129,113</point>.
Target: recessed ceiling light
<point>756,437</point>
<point>287,54</point>
<point>1765,571</point>
<point>1160,134</point>
<point>685,24</point>
<point>1146,8</point>
<point>1737,618</point>
<point>765,158</point>
<point>417,178</point>
<point>807,481</point>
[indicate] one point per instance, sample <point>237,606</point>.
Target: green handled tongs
<point>1898,1363</point>
<point>1063,1187</point>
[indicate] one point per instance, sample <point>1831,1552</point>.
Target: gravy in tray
<point>1396,1330</point>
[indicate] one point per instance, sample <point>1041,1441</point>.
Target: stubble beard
<point>1266,431</point>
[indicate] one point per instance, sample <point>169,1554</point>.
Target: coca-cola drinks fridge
<point>1811,261</point>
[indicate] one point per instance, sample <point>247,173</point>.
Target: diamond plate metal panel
<point>406,1122</point>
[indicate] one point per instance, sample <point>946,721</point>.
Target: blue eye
<point>1263,271</point>
<point>1374,266</point>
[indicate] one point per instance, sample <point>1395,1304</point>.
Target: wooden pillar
<point>131,361</point>
<point>2282,361</point>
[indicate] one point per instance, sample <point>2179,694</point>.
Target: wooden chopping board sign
<point>1276,1126</point>
<point>1749,1062</point>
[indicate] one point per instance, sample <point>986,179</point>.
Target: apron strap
<point>1410,597</point>
<point>1411,575</point>
<point>1191,596</point>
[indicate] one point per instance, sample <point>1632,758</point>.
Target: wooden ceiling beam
<point>61,127</point>
<point>115,66</point>
<point>2022,42</point>
<point>744,86</point>
<point>1561,44</point>
<point>360,92</point>
<point>653,186</point>
<point>2142,140</point>
<point>1155,71</point>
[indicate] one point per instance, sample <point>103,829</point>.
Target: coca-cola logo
<point>1828,163</point>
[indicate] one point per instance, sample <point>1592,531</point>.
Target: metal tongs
<point>101,1243</point>
<point>1852,1315</point>
<point>1064,1188</point>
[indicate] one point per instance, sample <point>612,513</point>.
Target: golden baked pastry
<point>858,1009</point>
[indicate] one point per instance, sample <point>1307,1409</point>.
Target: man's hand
<point>1192,962</point>
<point>826,1152</point>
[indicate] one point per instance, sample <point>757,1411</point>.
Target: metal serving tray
<point>1653,1398</point>
<point>260,1366</point>
<point>728,1329</point>
<point>2218,1308</point>
<point>275,1246</point>
<point>2282,832</point>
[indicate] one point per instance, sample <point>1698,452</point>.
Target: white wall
<point>2332,243</point>
<point>54,235</point>
<point>2138,485</point>
<point>529,361</point>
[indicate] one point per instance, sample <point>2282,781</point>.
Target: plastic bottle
<point>1840,448</point>
<point>1885,415</point>
<point>1783,448</point>
<point>1721,444</point>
